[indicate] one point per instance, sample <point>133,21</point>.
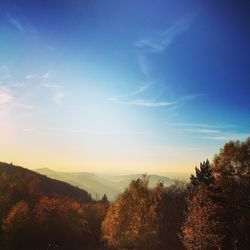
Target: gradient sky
<point>109,85</point>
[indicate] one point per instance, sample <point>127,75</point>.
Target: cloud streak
<point>130,99</point>
<point>144,103</point>
<point>211,132</point>
<point>204,126</point>
<point>52,86</point>
<point>226,137</point>
<point>159,42</point>
<point>29,76</point>
<point>15,22</point>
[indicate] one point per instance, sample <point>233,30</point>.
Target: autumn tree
<point>221,206</point>
<point>17,226</point>
<point>60,222</point>
<point>231,169</point>
<point>201,228</point>
<point>131,222</point>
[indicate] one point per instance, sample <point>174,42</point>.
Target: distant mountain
<point>99,184</point>
<point>25,182</point>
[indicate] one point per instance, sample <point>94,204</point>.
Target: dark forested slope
<point>25,180</point>
<point>37,212</point>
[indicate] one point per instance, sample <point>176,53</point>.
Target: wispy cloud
<point>130,98</point>
<point>201,125</point>
<point>217,138</point>
<point>52,86</point>
<point>144,66</point>
<point>190,97</point>
<point>143,102</point>
<point>160,41</point>
<point>136,92</point>
<point>5,97</point>
<point>206,131</point>
<point>24,106</point>
<point>140,90</point>
<point>12,84</point>
<point>174,148</point>
<point>226,137</point>
<point>156,42</point>
<point>58,97</point>
<point>9,100</point>
<point>29,76</point>
<point>47,75</point>
<point>214,132</point>
<point>15,22</point>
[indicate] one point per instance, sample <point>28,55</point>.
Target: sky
<point>112,86</point>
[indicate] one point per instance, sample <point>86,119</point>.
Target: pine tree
<point>203,175</point>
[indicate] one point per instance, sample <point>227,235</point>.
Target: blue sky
<point>122,85</point>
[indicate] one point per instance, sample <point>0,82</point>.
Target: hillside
<point>100,184</point>
<point>28,182</point>
<point>37,212</point>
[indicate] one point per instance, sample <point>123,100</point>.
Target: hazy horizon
<point>122,172</point>
<point>122,86</point>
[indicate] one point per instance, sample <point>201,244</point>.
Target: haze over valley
<point>99,184</point>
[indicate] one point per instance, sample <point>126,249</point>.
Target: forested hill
<point>26,183</point>
<point>37,212</point>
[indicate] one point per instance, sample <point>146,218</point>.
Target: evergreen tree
<point>202,175</point>
<point>104,199</point>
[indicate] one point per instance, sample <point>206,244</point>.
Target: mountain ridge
<point>99,184</point>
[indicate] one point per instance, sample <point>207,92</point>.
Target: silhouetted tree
<point>202,174</point>
<point>171,211</point>
<point>104,199</point>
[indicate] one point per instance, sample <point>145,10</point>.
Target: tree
<point>203,175</point>
<point>231,169</point>
<point>219,210</point>
<point>60,222</point>
<point>105,199</point>
<point>201,227</point>
<point>170,211</point>
<point>16,226</point>
<point>131,222</point>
